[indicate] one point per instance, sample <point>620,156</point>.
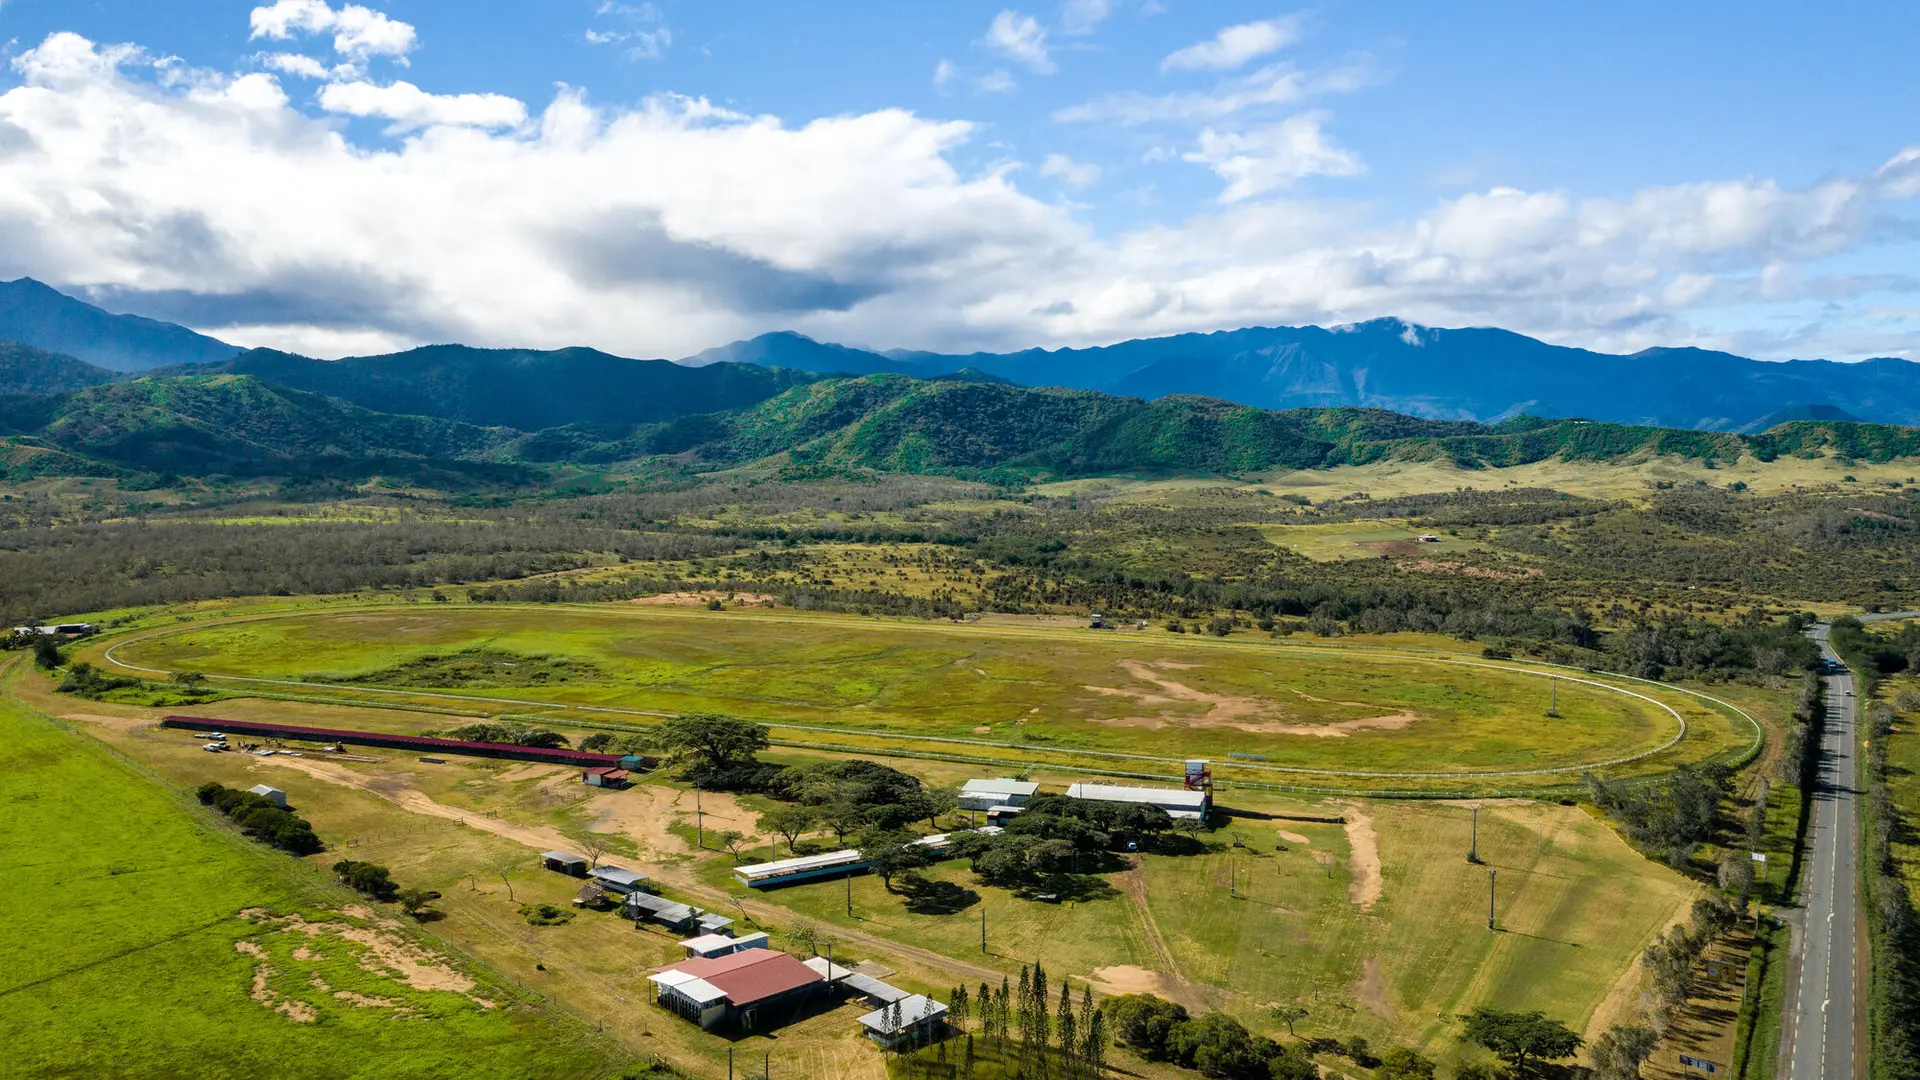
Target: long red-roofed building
<point>754,988</point>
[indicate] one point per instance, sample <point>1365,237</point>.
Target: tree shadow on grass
<point>924,897</point>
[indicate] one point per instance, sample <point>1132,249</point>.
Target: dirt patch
<point>533,771</point>
<point>1255,715</point>
<point>387,953</point>
<point>1129,979</point>
<point>395,790</point>
<point>117,723</point>
<point>1294,837</point>
<point>1371,989</point>
<point>365,1001</point>
<point>700,599</point>
<point>1363,858</point>
<point>1174,984</point>
<point>261,991</point>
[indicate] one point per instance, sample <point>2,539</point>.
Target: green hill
<point>237,425</point>
<point>521,388</point>
<point>27,370</point>
<point>895,423</point>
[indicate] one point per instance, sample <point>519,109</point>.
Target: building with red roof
<point>755,989</point>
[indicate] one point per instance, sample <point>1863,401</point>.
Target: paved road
<point>1820,1019</point>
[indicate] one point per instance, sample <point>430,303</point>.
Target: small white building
<point>805,868</point>
<point>1177,802</point>
<point>272,794</point>
<point>1002,791</point>
<point>913,1021</point>
<point>707,946</point>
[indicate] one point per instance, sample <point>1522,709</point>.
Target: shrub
<point>371,879</point>
<point>545,914</point>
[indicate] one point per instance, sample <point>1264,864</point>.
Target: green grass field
<point>1045,693</point>
<point>126,952</point>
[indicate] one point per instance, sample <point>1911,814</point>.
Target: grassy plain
<point>1359,540</point>
<point>1049,694</point>
<point>126,951</point>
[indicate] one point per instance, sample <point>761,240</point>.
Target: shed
<point>1001,791</point>
<point>875,991</point>
<point>669,913</point>
<point>566,862</point>
<point>1177,802</point>
<point>710,923</point>
<point>604,777</point>
<point>914,1021</point>
<point>618,879</point>
<point>747,988</point>
<point>272,794</point>
<point>709,945</point>
<point>805,868</point>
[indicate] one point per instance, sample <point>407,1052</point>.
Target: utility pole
<point>849,892</point>
<point>1233,878</point>
<point>729,1063</point>
<point>700,841</point>
<point>1473,846</point>
<point>1554,709</point>
<point>1491,874</point>
<point>983,928</point>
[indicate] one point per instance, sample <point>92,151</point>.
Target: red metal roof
<point>752,974</point>
<point>421,742</point>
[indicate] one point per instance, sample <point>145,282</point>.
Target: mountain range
<point>1484,375</point>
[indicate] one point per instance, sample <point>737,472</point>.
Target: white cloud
<point>1256,162</point>
<point>650,44</point>
<point>358,32</point>
<point>1274,85</point>
<point>410,107</point>
<point>305,67</point>
<point>1021,38</point>
<point>667,227</point>
<point>1070,172</point>
<point>943,73</point>
<point>1234,46</point>
<point>1082,17</point>
<point>997,81</point>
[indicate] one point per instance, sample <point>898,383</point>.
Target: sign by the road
<point>1702,1064</point>
<point>1759,856</point>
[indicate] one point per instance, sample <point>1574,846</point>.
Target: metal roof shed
<point>1000,791</point>
<point>619,879</point>
<point>565,862</point>
<point>918,1016</point>
<point>272,794</point>
<point>1177,802</point>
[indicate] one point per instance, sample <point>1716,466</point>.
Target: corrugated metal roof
<point>849,857</point>
<point>1177,801</point>
<point>913,1010</point>
<point>562,857</point>
<point>699,990</point>
<point>873,989</point>
<point>753,975</point>
<point>617,875</point>
<point>1000,786</point>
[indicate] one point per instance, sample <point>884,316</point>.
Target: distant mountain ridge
<point>213,425</point>
<point>27,370</point>
<point>41,316</point>
<point>1471,374</point>
<point>1479,374</point>
<point>519,388</point>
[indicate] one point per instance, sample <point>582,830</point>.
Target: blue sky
<point>653,178</point>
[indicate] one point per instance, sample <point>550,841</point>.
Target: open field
<point>1379,928</point>
<point>1363,540</point>
<point>1129,701</point>
<point>184,949</point>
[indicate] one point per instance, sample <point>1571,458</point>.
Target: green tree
<point>1619,1053</point>
<point>717,741</point>
<point>1520,1038</point>
<point>1145,1022</point>
<point>46,651</point>
<point>1288,1013</point>
<point>788,821</point>
<point>1401,1063</point>
<point>892,852</point>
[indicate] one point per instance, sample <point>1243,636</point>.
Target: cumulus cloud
<point>1020,38</point>
<point>1234,46</point>
<point>1256,162</point>
<point>1072,173</point>
<point>1081,17</point>
<point>1274,85</point>
<point>410,107</point>
<point>358,32</point>
<point>305,67</point>
<point>668,226</point>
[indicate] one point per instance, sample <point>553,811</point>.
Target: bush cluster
<point>259,818</point>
